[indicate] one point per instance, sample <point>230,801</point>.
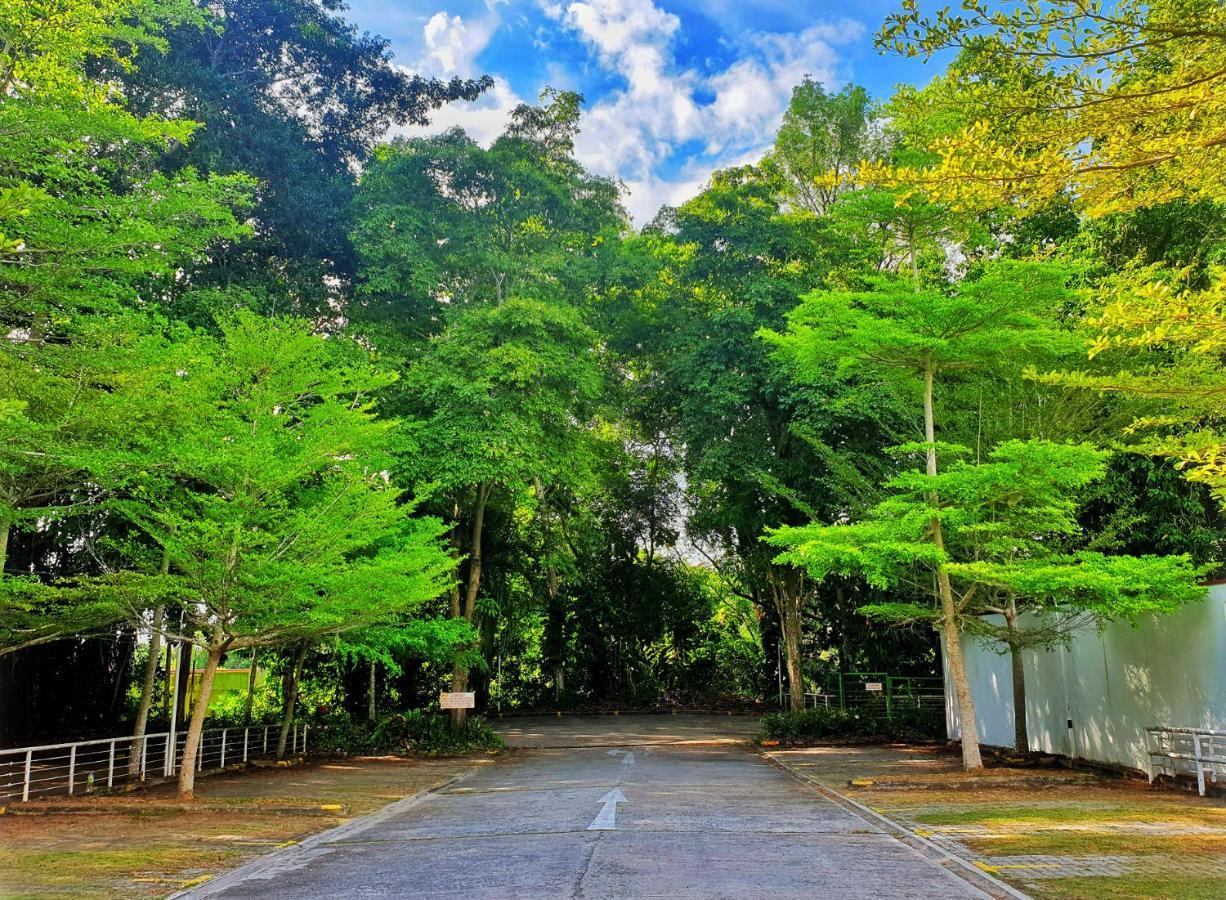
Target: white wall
<point>1165,670</point>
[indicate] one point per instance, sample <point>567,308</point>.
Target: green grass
<point>1129,887</point>
<point>1138,812</point>
<point>1099,843</point>
<point>72,868</point>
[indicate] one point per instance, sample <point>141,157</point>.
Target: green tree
<point>286,526</point>
<point>1000,549</point>
<point>498,398</point>
<point>920,337</point>
<point>442,220</point>
<point>292,94</point>
<point>758,451</point>
<point>93,237</point>
<point>821,141</point>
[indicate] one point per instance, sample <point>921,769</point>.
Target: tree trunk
<point>971,759</point>
<point>290,699</point>
<point>787,602</point>
<point>555,619</point>
<point>146,692</point>
<point>185,677</point>
<point>150,681</point>
<point>371,714</point>
<point>187,769</point>
<point>459,672</point>
<point>5,527</point>
<point>1021,734</point>
<point>252,675</point>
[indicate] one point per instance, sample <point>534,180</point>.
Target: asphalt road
<point>695,816</point>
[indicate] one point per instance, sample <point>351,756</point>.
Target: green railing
<point>878,692</point>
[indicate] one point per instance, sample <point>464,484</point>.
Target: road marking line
<point>606,819</point>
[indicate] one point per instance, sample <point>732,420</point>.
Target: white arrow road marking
<point>626,755</point>
<point>606,819</point>
<point>628,759</point>
<point>615,752</point>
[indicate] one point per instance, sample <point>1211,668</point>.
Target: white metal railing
<point>108,762</point>
<point>1175,751</point>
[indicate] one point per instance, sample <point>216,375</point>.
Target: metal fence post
<point>842,696</point>
<point>265,739</point>
<point>294,730</point>
<point>245,730</point>
<point>144,755</point>
<point>200,753</point>
<point>305,726</point>
<point>889,697</point>
<point>72,768</point>
<point>168,764</point>
<point>1200,767</point>
<point>222,764</point>
<point>110,767</point>
<point>25,785</point>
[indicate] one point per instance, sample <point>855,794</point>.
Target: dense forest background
<point>390,417</point>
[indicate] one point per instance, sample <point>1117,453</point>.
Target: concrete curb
<point>279,857</point>
<point>973,875</point>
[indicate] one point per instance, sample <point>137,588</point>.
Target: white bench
<point>1186,751</point>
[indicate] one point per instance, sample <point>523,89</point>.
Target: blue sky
<point>674,88</point>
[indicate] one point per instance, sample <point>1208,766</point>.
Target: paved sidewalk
<point>1060,836</point>
<point>146,844</point>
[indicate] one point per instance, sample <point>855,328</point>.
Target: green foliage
<point>852,724</point>
<point>821,140</point>
<point>292,94</point>
<point>274,504</point>
<point>1006,522</point>
<point>442,220</point>
<point>498,392</point>
<point>1012,313</point>
<point>412,733</point>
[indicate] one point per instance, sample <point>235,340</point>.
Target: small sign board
<point>458,700</point>
<point>872,686</point>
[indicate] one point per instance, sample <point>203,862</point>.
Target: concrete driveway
<point>609,807</point>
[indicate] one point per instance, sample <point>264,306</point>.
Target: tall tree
<point>757,450</point>
<point>292,94</point>
<point>287,527</point>
<point>821,141</point>
<point>94,237</point>
<point>500,396</point>
<point>926,336</point>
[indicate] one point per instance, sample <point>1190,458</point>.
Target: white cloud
<point>632,131</point>
<point>451,47</point>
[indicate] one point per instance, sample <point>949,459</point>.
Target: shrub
<point>412,733</point>
<point>852,724</point>
<point>429,734</point>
